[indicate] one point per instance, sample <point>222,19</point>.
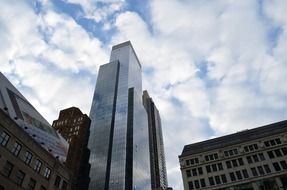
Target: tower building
<point>74,126</point>
<point>157,156</point>
<point>119,139</point>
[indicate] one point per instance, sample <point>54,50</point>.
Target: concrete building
<point>119,141</point>
<point>253,159</point>
<point>156,146</point>
<point>74,126</point>
<point>25,164</point>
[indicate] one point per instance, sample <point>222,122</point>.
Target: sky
<point>212,67</point>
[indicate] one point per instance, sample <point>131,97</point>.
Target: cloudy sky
<point>212,67</point>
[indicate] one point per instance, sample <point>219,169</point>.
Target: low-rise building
<point>249,160</point>
<point>25,164</point>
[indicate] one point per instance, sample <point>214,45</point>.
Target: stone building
<point>74,126</point>
<point>25,164</point>
<point>249,160</point>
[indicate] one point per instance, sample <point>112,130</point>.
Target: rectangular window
<point>278,141</point>
<point>223,178</point>
<point>232,176</point>
<point>261,156</point>
<point>254,172</point>
<point>226,153</point>
<point>202,182</point>
<point>267,169</point>
<point>190,185</point>
<point>58,181</point>
<point>255,158</point>
<point>245,173</point>
<point>260,170</point>
<point>238,174</point>
<point>19,177</point>
<point>278,152</point>
<point>211,181</point>
<point>284,150</point>
<point>228,164</point>
<point>37,166</point>
<point>188,174</point>
<point>283,164</point>
<point>206,158</point>
<point>16,149</point>
<point>240,161</point>
<point>196,160</point>
<point>32,184</point>
<point>47,173</point>
<point>208,169</point>
<point>187,162</point>
<point>64,185</point>
<point>217,180</point>
<point>220,167</point>
<point>7,169</point>
<point>194,172</point>
<point>234,163</point>
<point>28,157</point>
<point>266,143</point>
<point>230,152</point>
<point>196,184</point>
<point>215,156</point>
<point>214,168</point>
<point>249,159</point>
<point>4,138</point>
<point>272,142</point>
<point>200,172</point>
<point>270,154</point>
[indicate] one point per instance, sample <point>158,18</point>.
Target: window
<point>234,163</point>
<point>200,172</point>
<point>284,150</point>
<point>190,185</point>
<point>194,172</point>
<point>206,158</point>
<point>245,173</point>
<point>223,178</point>
<point>214,168</point>
<point>220,167</point>
<point>272,142</point>
<point>208,169</point>
<point>57,181</point>
<point>266,143</point>
<point>283,164</point>
<point>232,176</point>
<point>16,149</point>
<point>202,182</point>
<point>211,181</point>
<point>196,184</point>
<point>32,184</point>
<point>278,152</point>
<point>228,164</point>
<point>64,185</point>
<point>249,159</point>
<point>240,161</point>
<point>254,172</point>
<point>270,154</point>
<point>278,141</point>
<point>238,174</point>
<point>7,169</point>
<point>187,162</point>
<point>267,169</point>
<point>196,160</point>
<point>261,156</point>
<point>28,157</point>
<point>188,174</point>
<point>260,170</point>
<point>4,138</point>
<point>217,180</point>
<point>255,158</point>
<point>19,177</point>
<point>38,165</point>
<point>276,166</point>
<point>47,173</point>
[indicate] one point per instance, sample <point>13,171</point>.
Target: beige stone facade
<point>253,159</point>
<point>24,164</point>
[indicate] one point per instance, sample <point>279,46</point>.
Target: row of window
<point>238,175</point>
<point>194,172</point>
<point>234,163</point>
<point>277,165</point>
<point>214,167</point>
<point>272,142</point>
<point>192,161</point>
<point>255,158</point>
<point>228,153</point>
<point>19,177</point>
<point>251,148</point>
<point>260,170</point>
<point>196,184</point>
<point>277,152</point>
<point>211,157</point>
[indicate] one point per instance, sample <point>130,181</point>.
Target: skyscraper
<point>157,157</point>
<point>119,141</point>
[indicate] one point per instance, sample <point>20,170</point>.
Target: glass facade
<point>118,132</point>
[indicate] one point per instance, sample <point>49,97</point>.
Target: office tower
<point>251,160</point>
<point>74,126</point>
<point>119,130</point>
<point>28,118</point>
<point>157,156</point>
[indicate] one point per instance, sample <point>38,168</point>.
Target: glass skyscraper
<point>119,139</point>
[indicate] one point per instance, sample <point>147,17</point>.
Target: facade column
<point>255,186</point>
